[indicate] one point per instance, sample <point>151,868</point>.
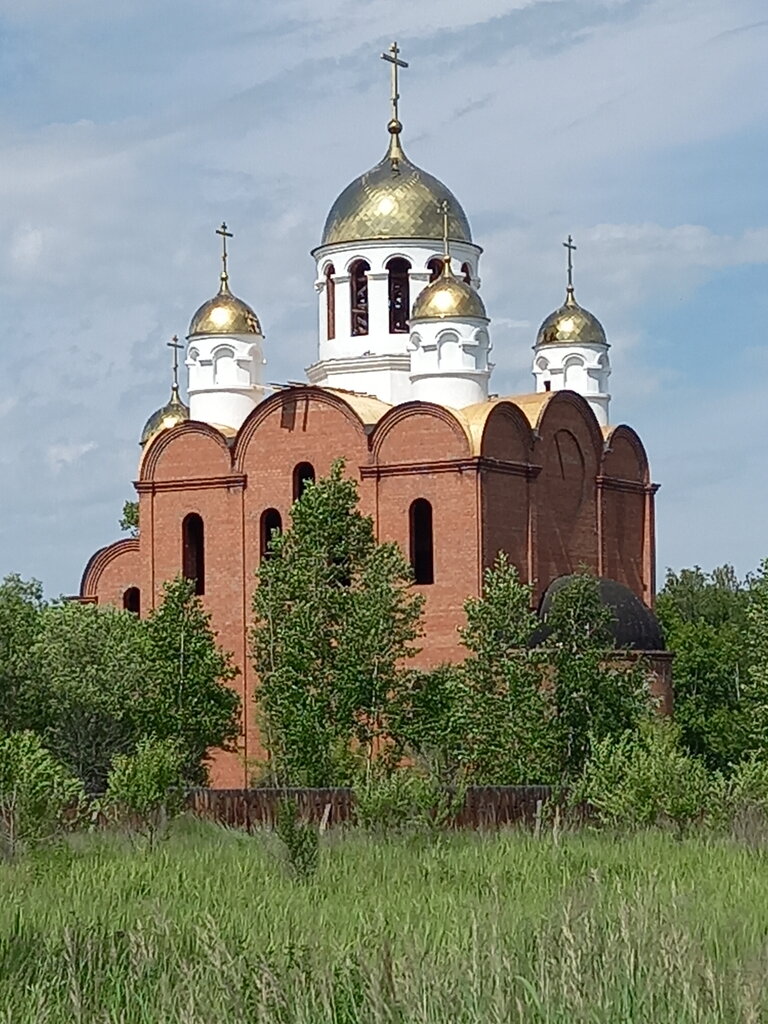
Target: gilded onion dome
<point>171,414</point>
<point>571,324</point>
<point>224,314</point>
<point>395,199</point>
<point>448,298</point>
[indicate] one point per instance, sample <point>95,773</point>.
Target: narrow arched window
<point>303,474</point>
<point>422,547</point>
<point>132,600</point>
<point>193,551</point>
<point>330,302</point>
<point>399,295</point>
<point>358,284</point>
<point>435,267</point>
<point>466,272</point>
<point>270,524</point>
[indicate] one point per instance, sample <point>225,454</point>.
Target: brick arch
<point>192,430</point>
<point>569,399</point>
<point>625,457</point>
<point>569,449</point>
<point>282,400</point>
<point>102,560</point>
<point>426,442</point>
<point>507,434</point>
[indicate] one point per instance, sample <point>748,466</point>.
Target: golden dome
<point>571,324</point>
<point>170,415</point>
<point>447,297</point>
<point>224,314</point>
<point>395,199</point>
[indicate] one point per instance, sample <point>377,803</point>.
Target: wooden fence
<point>484,806</point>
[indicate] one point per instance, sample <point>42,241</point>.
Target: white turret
<point>571,352</point>
<point>224,357</point>
<point>449,343</point>
<point>381,245</point>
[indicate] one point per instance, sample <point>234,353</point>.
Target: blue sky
<point>129,130</point>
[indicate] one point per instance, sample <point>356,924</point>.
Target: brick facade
<point>534,476</point>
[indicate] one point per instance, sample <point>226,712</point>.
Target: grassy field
<point>210,927</point>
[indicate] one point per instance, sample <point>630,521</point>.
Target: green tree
<point>187,698</point>
<point>21,605</point>
<point>36,793</point>
<point>595,691</point>
<point>147,787</point>
<point>129,520</point>
<point>334,620</point>
<point>86,687</point>
<point>704,618</point>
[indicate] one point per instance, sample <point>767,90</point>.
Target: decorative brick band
<point>611,483</point>
<point>475,465</point>
<point>203,483</point>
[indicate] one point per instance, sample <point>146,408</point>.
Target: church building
<point>401,389</point>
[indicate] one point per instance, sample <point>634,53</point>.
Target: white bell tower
<point>571,351</point>
<point>225,359</point>
<point>381,245</point>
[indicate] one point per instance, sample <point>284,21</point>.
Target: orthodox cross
<point>444,209</point>
<point>175,344</point>
<point>571,250</point>
<point>224,236</point>
<point>392,57</point>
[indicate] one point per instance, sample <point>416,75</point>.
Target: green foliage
<point>334,620</point>
<point>146,787</point>
<point>36,792</point>
<point>21,604</point>
<point>704,617</point>
<point>486,720</point>
<point>129,520</point>
<point>301,840</point>
<point>86,687</point>
<point>596,693</point>
<point>92,681</point>
<point>645,778</point>
<point>405,798</point>
<point>187,699</point>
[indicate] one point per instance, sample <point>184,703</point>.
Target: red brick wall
<point>532,495</point>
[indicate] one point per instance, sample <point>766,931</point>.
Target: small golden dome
<point>395,199</point>
<point>224,314</point>
<point>571,324</point>
<point>447,297</point>
<point>170,415</point>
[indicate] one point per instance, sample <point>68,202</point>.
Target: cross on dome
<point>224,255</point>
<point>392,56</point>
<point>176,345</point>
<point>571,250</point>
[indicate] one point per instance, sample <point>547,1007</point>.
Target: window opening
<point>422,546</point>
<point>466,272</point>
<point>271,523</point>
<point>303,474</point>
<point>435,268</point>
<point>330,302</point>
<point>358,283</point>
<point>132,600</point>
<point>193,551</point>
<point>399,295</point>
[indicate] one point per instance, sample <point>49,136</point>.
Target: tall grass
<point>459,928</point>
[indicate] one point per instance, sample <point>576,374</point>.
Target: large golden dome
<point>170,415</point>
<point>571,324</point>
<point>395,199</point>
<point>224,314</point>
<point>447,297</point>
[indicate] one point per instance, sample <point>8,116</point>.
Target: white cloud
<point>60,455</point>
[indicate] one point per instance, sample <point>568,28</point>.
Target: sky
<point>130,130</point>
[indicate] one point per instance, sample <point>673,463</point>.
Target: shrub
<point>405,798</point>
<point>300,838</point>
<point>37,794</point>
<point>146,788</point>
<point>644,778</point>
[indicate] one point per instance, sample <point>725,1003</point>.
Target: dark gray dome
<point>633,626</point>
